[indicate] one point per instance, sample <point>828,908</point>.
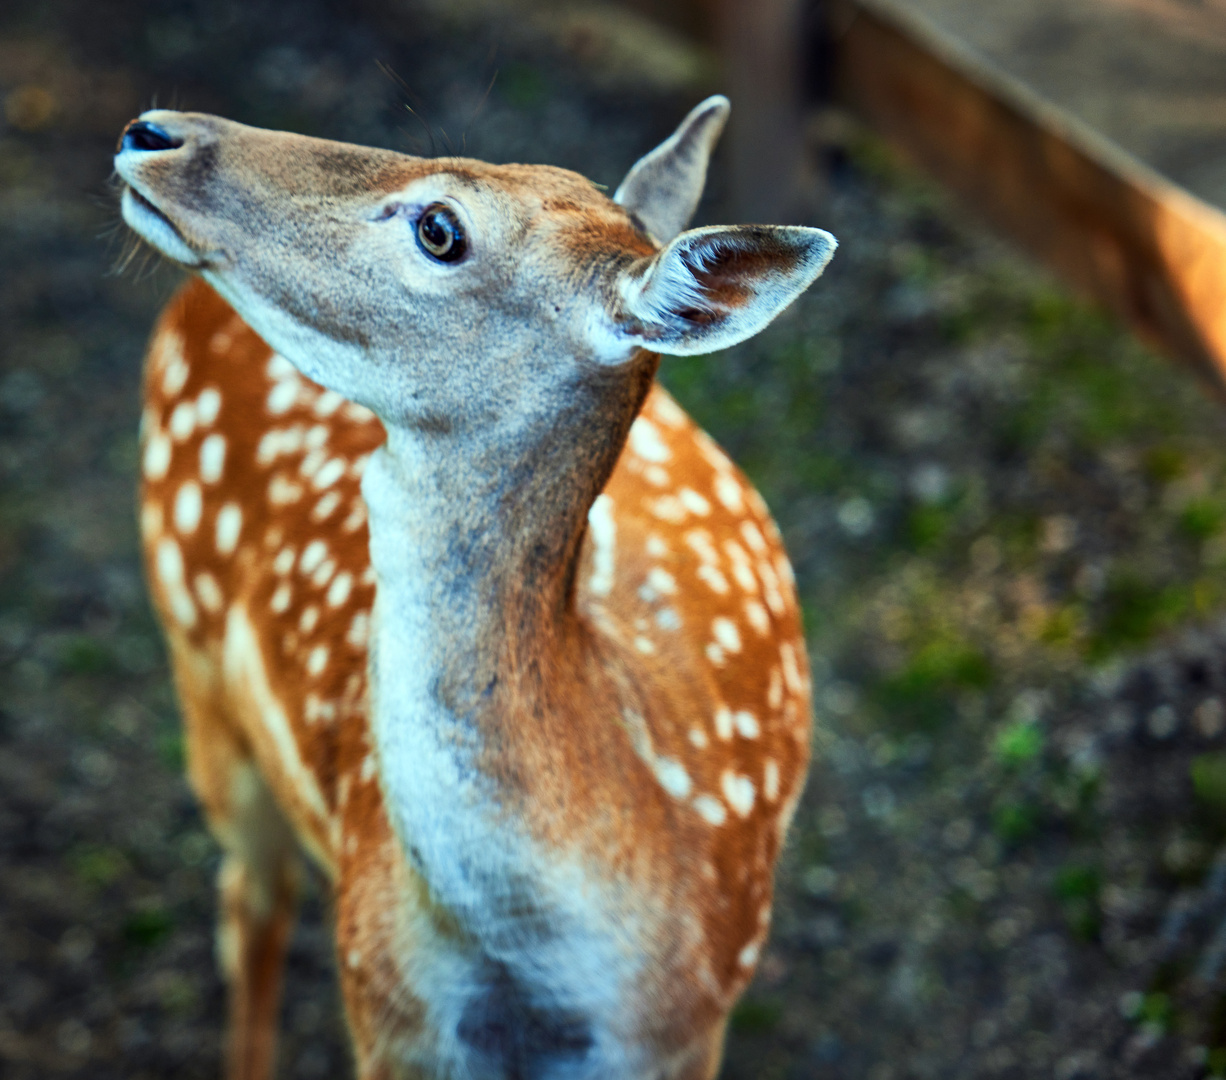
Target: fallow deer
<point>458,598</point>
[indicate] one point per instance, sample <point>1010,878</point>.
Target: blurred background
<point>1006,511</point>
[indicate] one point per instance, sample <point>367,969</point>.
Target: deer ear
<point>715,287</point>
<point>662,189</point>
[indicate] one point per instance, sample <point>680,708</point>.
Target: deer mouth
<point>156,228</point>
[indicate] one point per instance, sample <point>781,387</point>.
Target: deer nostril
<point>142,135</point>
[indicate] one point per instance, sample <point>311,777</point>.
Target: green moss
<point>1133,611</point>
<point>923,692</point>
<point>1156,1010</point>
<point>756,1016</point>
<point>146,928</point>
<point>85,655</point>
<point>1209,779</point>
<point>171,750</point>
<point>1015,823</point>
<point>1018,744</point>
<point>95,866</point>
<point>1164,463</point>
<point>1202,518</point>
<point>1077,888</point>
<point>927,527</point>
<point>1215,1062</point>
<point>1064,626</point>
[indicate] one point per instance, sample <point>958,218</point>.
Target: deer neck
<point>475,538</point>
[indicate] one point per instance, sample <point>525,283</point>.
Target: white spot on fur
<point>156,459</point>
<point>284,562</point>
<point>770,587</point>
<point>208,405</point>
<point>668,508</point>
<point>312,463</point>
<point>282,396</point>
<point>312,555</point>
<point>657,476</point>
<point>279,368</point>
<point>174,375</point>
<point>668,619</point>
<point>644,645</point>
<point>710,809</point>
<point>698,738</point>
<point>356,518</point>
<point>728,491</point>
<point>229,525</point>
<point>696,504</point>
<point>758,618</point>
<point>278,441</point>
<point>662,581</point>
<point>673,777</point>
<point>667,411</point>
<point>212,458</point>
<point>770,779</point>
<point>603,530</point>
<point>699,542</point>
<point>645,441</point>
<point>359,630</point>
<point>359,413</point>
<point>712,577</point>
<point>738,791</point>
<point>317,660</point>
<point>784,569</point>
<point>726,634</point>
<point>741,569</point>
<point>791,670</point>
<point>308,620</point>
<point>170,574</point>
<point>656,547</point>
<point>753,537</point>
<point>282,490</point>
<point>723,723</point>
<point>317,709</point>
<point>183,421</point>
<point>748,956</point>
<point>281,598</point>
<point>327,403</point>
<point>316,437</point>
<point>339,590</point>
<point>329,474</point>
<point>715,654</point>
<point>208,592</point>
<point>774,691</point>
<point>746,724</point>
<point>188,507</point>
<point>324,508</point>
<point>323,575</point>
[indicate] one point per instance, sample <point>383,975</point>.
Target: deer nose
<point>142,135</point>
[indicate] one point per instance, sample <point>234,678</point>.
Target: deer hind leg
<point>258,882</point>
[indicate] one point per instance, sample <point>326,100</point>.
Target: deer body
<point>549,768</point>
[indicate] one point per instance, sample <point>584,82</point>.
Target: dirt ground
<point>1008,521</point>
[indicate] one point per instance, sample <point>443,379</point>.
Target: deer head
<point>448,292</point>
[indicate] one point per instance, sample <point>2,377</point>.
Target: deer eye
<point>440,234</point>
